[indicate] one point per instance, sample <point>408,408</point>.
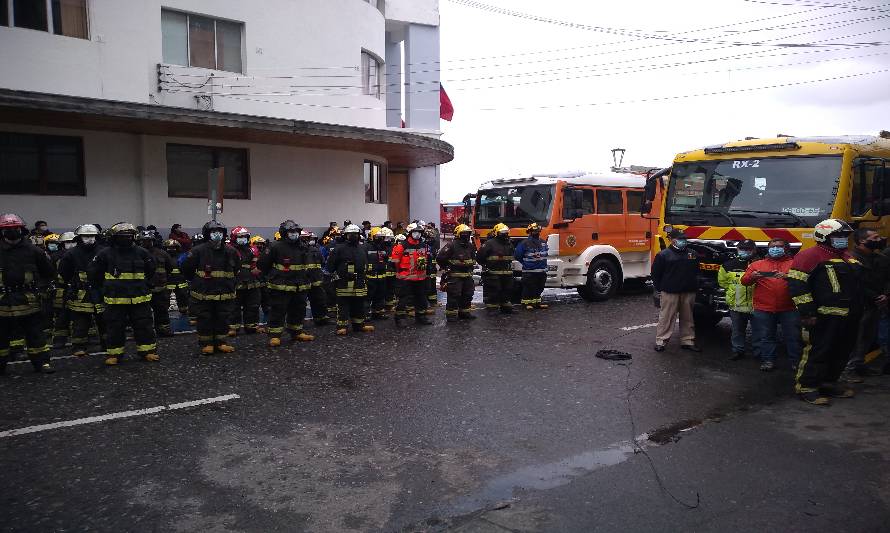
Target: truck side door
<point>578,214</point>
<point>639,229</point>
<point>611,227</point>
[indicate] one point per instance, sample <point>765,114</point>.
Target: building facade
<point>114,110</point>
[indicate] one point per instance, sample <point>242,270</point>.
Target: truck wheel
<point>602,281</point>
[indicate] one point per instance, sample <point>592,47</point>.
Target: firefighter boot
<point>543,306</point>
<point>233,332</point>
<point>366,328</point>
<point>111,361</point>
<point>274,342</point>
<point>152,357</point>
<point>207,349</point>
<point>225,348</point>
<point>303,337</point>
<point>341,330</point>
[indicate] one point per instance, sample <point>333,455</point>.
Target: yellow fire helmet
<point>374,231</point>
<point>52,237</point>
<point>533,227</point>
<point>277,236</point>
<point>462,228</point>
<point>257,239</point>
<point>500,229</point>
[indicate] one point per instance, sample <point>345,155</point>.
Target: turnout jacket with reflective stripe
<point>122,274</point>
<point>739,297</point>
<point>457,258</point>
<point>348,262</point>
<point>163,268</point>
<point>23,268</point>
<point>496,257</point>
<point>378,259</point>
<point>314,260</point>
<point>823,281</point>
<point>532,253</point>
<point>246,279</point>
<point>410,259</point>
<point>285,266</point>
<point>74,266</point>
<point>212,271</point>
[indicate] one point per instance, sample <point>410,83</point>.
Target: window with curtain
<point>188,167</point>
<point>375,183</point>
<point>30,14</point>
<point>70,18</point>
<point>199,41</point>
<point>41,164</point>
<point>372,72</point>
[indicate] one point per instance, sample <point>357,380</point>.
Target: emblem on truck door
<point>571,241</point>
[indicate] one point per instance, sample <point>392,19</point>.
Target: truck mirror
<point>646,208</point>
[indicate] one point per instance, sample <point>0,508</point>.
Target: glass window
<point>175,37</point>
<point>41,164</point>
<point>4,12</point>
<point>864,172</point>
<point>375,183</point>
<point>609,202</point>
<point>70,18</point>
<point>371,75</point>
<point>514,205</point>
<point>634,201</point>
<point>202,48</point>
<point>188,167</point>
<point>30,14</point>
<point>228,46</point>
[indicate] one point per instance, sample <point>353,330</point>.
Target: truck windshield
<point>768,192</point>
<point>514,205</point>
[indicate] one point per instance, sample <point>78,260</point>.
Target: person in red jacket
<point>773,305</point>
<point>410,258</point>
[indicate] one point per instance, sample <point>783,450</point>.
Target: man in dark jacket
<point>318,303</point>
<point>84,300</point>
<point>246,308</point>
<point>456,259</point>
<point>348,263</point>
<point>872,272</point>
<point>378,270</point>
<point>160,294</point>
<point>496,258</point>
<point>212,267</point>
<point>284,266</point>
<point>675,277</point>
<point>532,253</point>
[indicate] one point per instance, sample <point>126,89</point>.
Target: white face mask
<point>70,245</point>
<point>241,240</point>
<point>88,240</point>
<point>52,247</point>
<point>216,236</point>
<point>292,235</point>
<point>416,235</point>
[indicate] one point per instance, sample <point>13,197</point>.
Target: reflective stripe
<point>84,307</point>
<point>212,297</point>
<point>500,258</point>
<point>289,288</point>
<point>802,299</point>
<point>500,272</point>
<point>833,311</point>
<point>217,274</point>
<point>462,262</point>
<point>128,301</point>
<point>115,351</point>
<point>146,347</point>
<point>289,268</point>
<point>39,350</point>
<point>173,286</point>
<point>126,275</point>
<point>272,330</point>
<point>352,292</point>
<point>832,278</point>
<point>798,275</point>
<point>82,276</point>
<point>459,274</point>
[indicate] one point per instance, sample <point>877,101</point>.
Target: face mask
<point>876,245</point>
<point>680,244</point>
<point>12,235</point>
<point>839,243</point>
<point>464,237</point>
<point>745,254</point>
<point>292,235</point>
<point>503,236</point>
<point>216,236</point>
<point>415,235</point>
<point>88,241</point>
<point>41,229</point>
<point>242,240</point>
<point>52,247</point>
<point>124,241</point>
<point>776,251</point>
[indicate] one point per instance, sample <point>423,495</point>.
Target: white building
<point>116,109</point>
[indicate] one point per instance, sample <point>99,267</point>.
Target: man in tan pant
<point>675,276</point>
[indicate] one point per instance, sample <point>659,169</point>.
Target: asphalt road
<point>504,424</point>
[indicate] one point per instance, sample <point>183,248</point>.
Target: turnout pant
<point>160,306</point>
<point>213,320</point>
<point>351,308</point>
<point>826,352</point>
<point>139,316</point>
<point>866,336</point>
<point>286,307</point>
<point>246,310</point>
<point>672,306</point>
<point>532,287</point>
<point>377,295</point>
<point>411,292</point>
<point>496,290</point>
<point>330,295</point>
<point>82,322</point>
<point>61,325</point>
<point>431,295</point>
<point>35,338</point>
<point>318,303</point>
<point>389,291</point>
<point>460,295</point>
<point>182,300</point>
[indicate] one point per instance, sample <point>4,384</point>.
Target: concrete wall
<point>126,179</point>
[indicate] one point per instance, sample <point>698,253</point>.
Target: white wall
<point>281,38</point>
<point>413,11</point>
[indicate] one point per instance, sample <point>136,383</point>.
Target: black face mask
<point>876,245</point>
<point>12,234</point>
<point>123,241</point>
<point>504,238</point>
<point>464,238</point>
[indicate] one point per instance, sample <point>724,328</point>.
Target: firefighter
<point>259,242</point>
<point>246,311</point>
<point>193,320</point>
<point>160,294</point>
<point>378,271</point>
<point>84,300</point>
<point>496,258</point>
<point>348,263</point>
<point>176,282</point>
<point>333,238</point>
<point>317,298</point>
<point>122,272</point>
<point>532,253</point>
<point>431,238</point>
<point>410,258</point>
<point>457,259</point>
<point>285,268</point>
<point>823,286</point>
<point>389,291</point>
<point>739,297</point>
<point>23,269</point>
<point>212,267</point>
<point>56,317</point>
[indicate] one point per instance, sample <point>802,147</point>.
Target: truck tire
<point>602,281</point>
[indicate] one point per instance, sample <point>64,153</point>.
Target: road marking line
<point>114,416</point>
<point>641,326</point>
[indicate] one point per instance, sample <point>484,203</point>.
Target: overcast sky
<point>506,75</point>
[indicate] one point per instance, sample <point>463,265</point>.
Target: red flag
<point>446,109</point>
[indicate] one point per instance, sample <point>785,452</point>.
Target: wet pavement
<point>508,423</point>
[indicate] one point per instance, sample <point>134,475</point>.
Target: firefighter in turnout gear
<point>410,259</point>
<point>160,294</point>
<point>122,272</point>
<point>823,286</point>
<point>23,269</point>
<point>378,271</point>
<point>61,322</point>
<point>496,258</point>
<point>431,238</point>
<point>348,264</point>
<point>532,253</point>
<point>51,246</point>
<point>389,288</point>
<point>259,242</point>
<point>317,299</point>
<point>84,300</point>
<point>285,268</point>
<point>212,267</point>
<point>457,259</point>
<point>176,282</point>
<point>333,238</point>
<point>246,311</point>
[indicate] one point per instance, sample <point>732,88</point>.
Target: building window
<point>375,183</point>
<point>41,164</point>
<point>29,14</point>
<point>372,73</point>
<point>70,18</point>
<point>4,12</point>
<point>188,167</point>
<point>609,202</point>
<point>196,41</point>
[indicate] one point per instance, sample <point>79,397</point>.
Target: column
<point>393,82</point>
